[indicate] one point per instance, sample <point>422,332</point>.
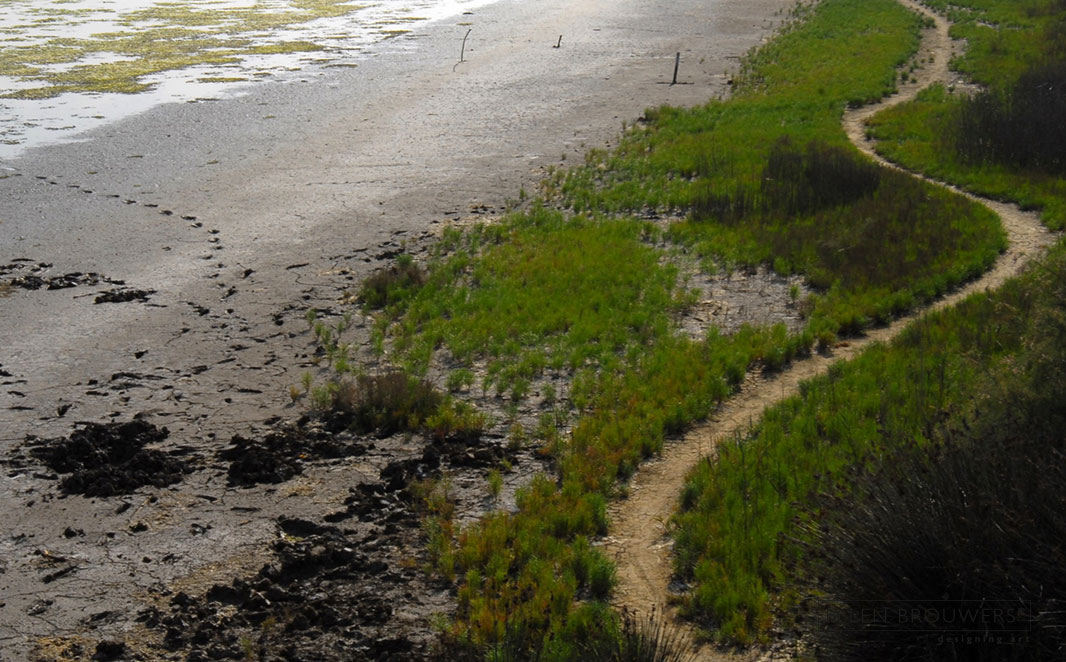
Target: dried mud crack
<point>638,538</point>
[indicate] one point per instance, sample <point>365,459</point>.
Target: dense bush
<point>956,550</point>
<point>955,557</point>
<point>1021,126</point>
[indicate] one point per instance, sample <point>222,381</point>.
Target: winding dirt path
<point>638,537</point>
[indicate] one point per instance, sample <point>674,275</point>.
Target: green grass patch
<point>768,177</point>
<point>741,513</point>
<point>535,292</point>
<point>1006,143</point>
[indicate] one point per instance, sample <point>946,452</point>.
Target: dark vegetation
<point>1021,126</point>
<point>973,522</point>
<point>392,284</point>
<point>961,548</point>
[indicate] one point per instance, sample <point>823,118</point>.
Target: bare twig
<point>462,51</point>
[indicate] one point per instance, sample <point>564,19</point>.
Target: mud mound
<point>280,455</point>
<point>109,459</point>
<point>325,596</point>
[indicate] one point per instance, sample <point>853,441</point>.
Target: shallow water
<point>67,66</point>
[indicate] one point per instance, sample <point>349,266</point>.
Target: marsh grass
<point>768,178</point>
<point>737,528</point>
<point>971,521</point>
<point>393,284</point>
<point>1007,141</point>
<point>535,292</point>
<point>593,298</point>
<point>597,634</point>
<point>395,401</point>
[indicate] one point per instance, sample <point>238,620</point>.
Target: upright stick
<point>462,52</point>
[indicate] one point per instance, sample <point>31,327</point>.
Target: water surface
<point>70,65</point>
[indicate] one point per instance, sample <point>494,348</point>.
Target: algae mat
<point>69,65</point>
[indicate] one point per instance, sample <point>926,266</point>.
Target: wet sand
<point>231,217</point>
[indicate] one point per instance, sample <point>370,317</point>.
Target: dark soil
<point>328,593</point>
<point>108,459</point>
<point>34,276</point>
<point>280,455</point>
<point>122,295</point>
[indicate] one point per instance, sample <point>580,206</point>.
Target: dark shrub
<point>1022,126</point>
<point>955,557</point>
<point>387,403</point>
<point>800,182</point>
<point>392,284</point>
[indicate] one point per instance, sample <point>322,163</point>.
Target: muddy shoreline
<point>162,268</point>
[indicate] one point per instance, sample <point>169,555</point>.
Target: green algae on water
<point>135,45</point>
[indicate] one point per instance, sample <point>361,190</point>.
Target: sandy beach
<point>215,225</point>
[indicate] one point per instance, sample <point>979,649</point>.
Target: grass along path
<point>638,537</point>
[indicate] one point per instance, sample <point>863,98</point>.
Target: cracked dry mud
<point>638,537</point>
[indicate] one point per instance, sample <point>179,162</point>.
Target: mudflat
<point>161,267</point>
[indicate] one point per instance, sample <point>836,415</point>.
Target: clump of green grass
<point>536,292</point>
<point>598,634</point>
<point>395,401</point>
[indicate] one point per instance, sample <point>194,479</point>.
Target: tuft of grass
<point>395,401</point>
<point>941,537</point>
<point>393,284</point>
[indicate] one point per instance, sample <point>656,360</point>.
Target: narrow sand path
<point>638,537</point>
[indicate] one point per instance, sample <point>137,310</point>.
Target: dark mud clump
<point>29,276</point>
<point>122,295</point>
<point>103,460</point>
<point>328,594</point>
<point>281,454</point>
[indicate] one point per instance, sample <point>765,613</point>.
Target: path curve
<point>638,538</point>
